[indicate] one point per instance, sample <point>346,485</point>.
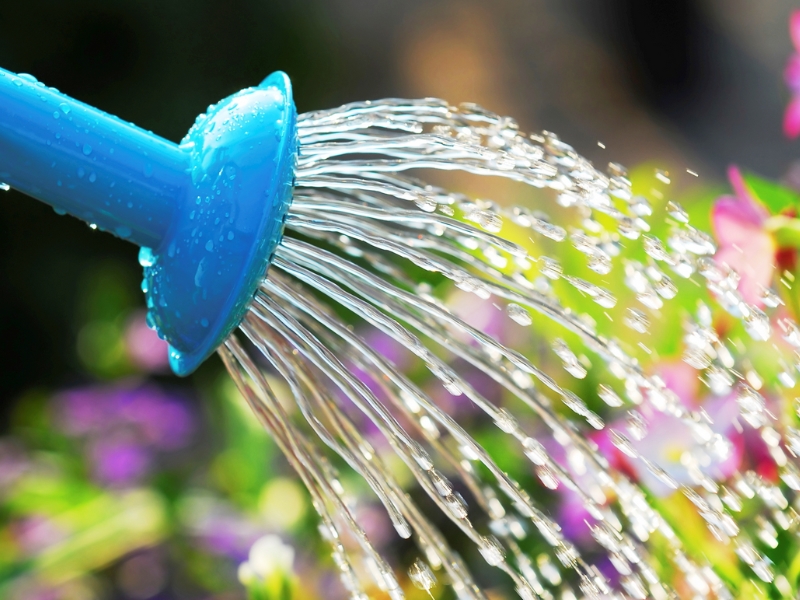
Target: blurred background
<point>682,84</point>
<point>690,84</point>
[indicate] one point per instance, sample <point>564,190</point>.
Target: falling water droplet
<point>677,212</point>
<point>636,320</point>
<point>655,249</point>
<point>421,576</point>
<point>636,425</point>
<point>535,451</point>
<point>570,362</point>
<point>751,405</point>
<point>440,482</point>
<point>546,476</point>
<point>757,324</point>
<point>770,298</point>
<point>608,396</point>
<point>456,505</point>
<point>600,263</point>
<point>549,267</point>
<point>791,332</point>
<point>491,550</point>
<point>519,314</point>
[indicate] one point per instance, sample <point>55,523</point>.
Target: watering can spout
<point>87,163</point>
<point>208,212</point>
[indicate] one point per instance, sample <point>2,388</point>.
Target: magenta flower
<point>791,119</point>
<point>745,245</point>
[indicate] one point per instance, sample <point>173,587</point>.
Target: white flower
<point>268,555</point>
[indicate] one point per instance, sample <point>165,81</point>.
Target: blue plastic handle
<point>208,212</point>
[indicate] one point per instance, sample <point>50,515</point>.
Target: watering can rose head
<point>207,213</point>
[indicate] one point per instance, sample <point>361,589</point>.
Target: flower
<point>146,350</point>
<point>791,118</point>
<point>269,558</point>
<point>13,463</point>
<point>218,527</point>
<point>119,462</point>
<point>35,533</point>
<point>745,245</point>
<point>124,426</point>
<point>156,417</point>
<point>270,554</point>
<point>671,444</point>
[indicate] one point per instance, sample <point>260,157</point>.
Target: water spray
<point>265,235</point>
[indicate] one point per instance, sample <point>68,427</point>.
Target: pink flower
<point>669,442</point>
<point>36,533</point>
<point>744,243</point>
<point>791,119</point>
<point>146,350</point>
<point>681,379</point>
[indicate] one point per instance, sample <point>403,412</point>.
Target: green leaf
<point>786,231</point>
<point>774,196</point>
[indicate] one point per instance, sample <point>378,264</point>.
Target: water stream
<point>370,249</point>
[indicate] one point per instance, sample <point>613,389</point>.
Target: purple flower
<point>163,422</point>
<point>157,418</point>
<point>143,574</point>
<point>481,315</point>
<point>388,348</point>
<point>669,440</point>
<point>573,516</point>
<point>376,524</point>
<point>219,528</point>
<point>124,427</point>
<point>29,589</point>
<point>83,410</point>
<point>119,462</point>
<point>463,405</point>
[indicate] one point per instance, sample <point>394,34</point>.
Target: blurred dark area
<point>691,84</point>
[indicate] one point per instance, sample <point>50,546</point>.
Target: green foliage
<point>776,197</point>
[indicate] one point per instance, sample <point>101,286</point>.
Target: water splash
<point>366,241</point>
